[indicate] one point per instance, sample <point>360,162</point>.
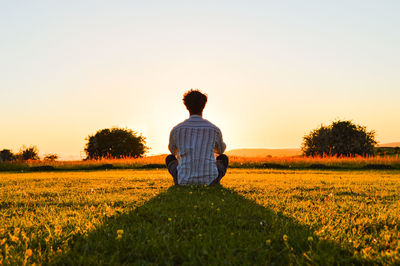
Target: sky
<point>273,70</point>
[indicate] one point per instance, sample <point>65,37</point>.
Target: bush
<point>387,151</point>
<point>6,155</point>
<point>342,138</point>
<point>115,143</point>
<point>28,153</point>
<point>51,157</point>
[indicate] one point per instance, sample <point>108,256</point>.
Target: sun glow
<point>272,71</point>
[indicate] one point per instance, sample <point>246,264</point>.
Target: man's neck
<point>201,115</point>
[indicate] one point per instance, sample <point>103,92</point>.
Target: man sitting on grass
<point>194,142</point>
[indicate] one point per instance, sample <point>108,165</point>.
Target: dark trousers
<point>222,166</point>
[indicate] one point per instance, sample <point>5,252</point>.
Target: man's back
<point>194,141</point>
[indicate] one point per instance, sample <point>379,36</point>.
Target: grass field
<point>153,162</point>
<point>256,217</point>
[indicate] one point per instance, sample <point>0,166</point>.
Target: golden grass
<point>42,214</point>
<point>326,160</point>
<point>294,162</point>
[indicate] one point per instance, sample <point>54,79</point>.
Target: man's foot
<point>169,159</point>
<point>223,159</point>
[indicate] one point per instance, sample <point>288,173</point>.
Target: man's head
<point>195,101</point>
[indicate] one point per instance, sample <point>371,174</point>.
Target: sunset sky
<point>273,70</point>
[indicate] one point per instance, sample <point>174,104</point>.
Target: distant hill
<point>264,152</point>
<point>392,144</point>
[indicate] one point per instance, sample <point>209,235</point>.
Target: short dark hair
<point>195,101</point>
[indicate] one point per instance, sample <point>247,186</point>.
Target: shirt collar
<point>195,117</point>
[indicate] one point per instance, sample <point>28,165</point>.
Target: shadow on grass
<point>203,225</point>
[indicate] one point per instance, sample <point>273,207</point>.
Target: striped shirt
<point>194,142</point>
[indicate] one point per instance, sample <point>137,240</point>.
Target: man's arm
<point>220,145</point>
<point>172,145</point>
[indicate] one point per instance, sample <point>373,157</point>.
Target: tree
<point>115,143</point>
<point>28,153</point>
<point>6,155</point>
<point>342,138</point>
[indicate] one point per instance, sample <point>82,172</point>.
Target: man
<point>193,144</point>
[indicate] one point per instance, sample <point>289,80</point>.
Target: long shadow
<point>208,225</point>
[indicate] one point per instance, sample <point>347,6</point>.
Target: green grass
<point>256,217</point>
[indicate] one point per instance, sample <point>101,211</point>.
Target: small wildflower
<point>24,237</point>
<point>14,238</point>
<point>285,237</point>
<point>268,242</point>
<point>28,253</point>
<point>190,192</point>
<point>16,231</point>
<point>169,219</point>
<point>310,238</point>
<point>120,232</point>
<point>200,235</point>
<point>3,241</point>
<point>222,200</point>
<point>218,209</point>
